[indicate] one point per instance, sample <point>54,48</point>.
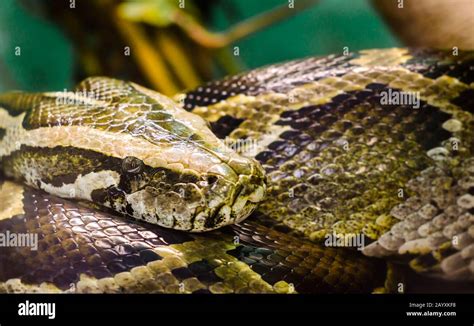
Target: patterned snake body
<point>339,161</point>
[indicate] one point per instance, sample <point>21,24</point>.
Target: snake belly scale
<point>321,155</point>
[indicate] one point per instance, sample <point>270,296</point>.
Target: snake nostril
<point>211,179</point>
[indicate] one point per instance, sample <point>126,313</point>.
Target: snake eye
<point>131,164</point>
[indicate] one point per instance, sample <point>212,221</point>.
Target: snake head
<point>130,149</point>
<point>221,193</point>
<point>193,181</point>
<point>188,179</point>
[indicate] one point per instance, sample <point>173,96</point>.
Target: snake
<point>308,176</point>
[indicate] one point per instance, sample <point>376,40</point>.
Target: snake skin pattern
<point>338,162</point>
<point>337,159</point>
<point>84,250</point>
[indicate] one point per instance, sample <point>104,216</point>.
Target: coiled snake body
<point>328,140</point>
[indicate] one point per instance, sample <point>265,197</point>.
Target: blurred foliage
<point>154,12</point>
<point>324,28</point>
<point>172,48</point>
<point>45,61</point>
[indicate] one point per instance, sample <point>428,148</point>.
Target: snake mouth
<point>236,203</point>
<point>188,203</point>
<point>242,205</point>
<point>252,191</point>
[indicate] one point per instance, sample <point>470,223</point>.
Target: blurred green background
<point>47,56</point>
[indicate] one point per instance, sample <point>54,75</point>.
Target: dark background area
<point>47,55</point>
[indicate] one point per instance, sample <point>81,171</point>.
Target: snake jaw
<point>199,201</point>
<point>253,191</point>
<point>232,202</point>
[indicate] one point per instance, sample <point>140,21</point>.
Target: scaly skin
<point>337,160</point>
<point>130,149</point>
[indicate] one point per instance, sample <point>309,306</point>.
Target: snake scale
<point>305,149</point>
